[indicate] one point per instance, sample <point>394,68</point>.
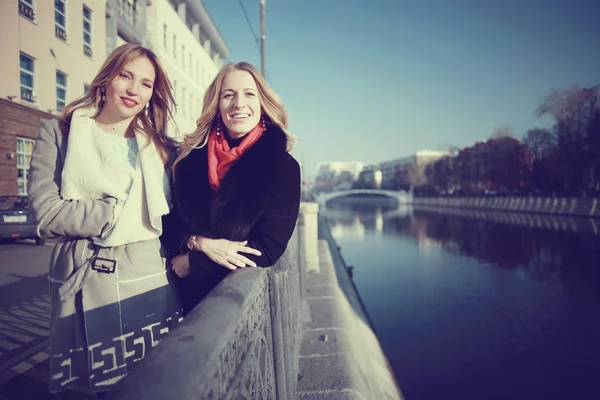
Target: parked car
<point>16,221</point>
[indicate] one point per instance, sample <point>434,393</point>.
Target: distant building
<point>337,175</point>
<point>369,178</point>
<point>408,172</point>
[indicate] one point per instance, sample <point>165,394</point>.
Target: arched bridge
<point>403,197</point>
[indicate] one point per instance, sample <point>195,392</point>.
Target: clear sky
<point>374,80</point>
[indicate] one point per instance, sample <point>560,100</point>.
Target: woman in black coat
<point>236,187</point>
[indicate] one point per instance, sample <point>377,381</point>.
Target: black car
<point>16,221</point>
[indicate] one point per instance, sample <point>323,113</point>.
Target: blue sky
<point>377,80</point>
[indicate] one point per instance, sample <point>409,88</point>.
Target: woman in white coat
<point>99,182</point>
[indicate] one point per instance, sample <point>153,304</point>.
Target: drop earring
<point>264,122</point>
<point>103,96</point>
<point>218,127</point>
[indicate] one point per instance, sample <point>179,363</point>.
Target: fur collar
<point>231,212</point>
<point>92,171</point>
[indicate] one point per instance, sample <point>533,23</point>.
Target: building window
<point>87,31</point>
<point>190,63</point>
<point>191,106</point>
<point>26,9</point>
<point>175,47</point>
<point>86,89</point>
<point>165,35</point>
<point>27,65</point>
<point>175,91</point>
<point>60,19</point>
<point>24,150</point>
<point>183,55</point>
<point>197,72</point>
<point>183,100</point>
<point>61,90</point>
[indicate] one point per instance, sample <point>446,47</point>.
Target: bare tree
<point>502,131</point>
<point>541,142</point>
<point>558,102</point>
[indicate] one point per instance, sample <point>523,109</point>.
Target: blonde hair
<point>271,104</point>
<point>153,120</point>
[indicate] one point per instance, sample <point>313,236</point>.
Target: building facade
<point>125,22</point>
<point>337,175</point>
<point>408,172</point>
<point>57,49</point>
<point>54,51</point>
<point>191,49</point>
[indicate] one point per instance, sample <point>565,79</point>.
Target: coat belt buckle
<point>104,265</point>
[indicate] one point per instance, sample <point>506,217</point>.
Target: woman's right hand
<point>226,252</point>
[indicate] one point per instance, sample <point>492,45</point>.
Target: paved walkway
<point>24,323</point>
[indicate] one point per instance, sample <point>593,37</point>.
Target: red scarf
<point>221,156</point>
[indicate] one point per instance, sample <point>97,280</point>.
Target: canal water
<point>467,307</point>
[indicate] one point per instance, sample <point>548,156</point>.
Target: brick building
<point>19,127</point>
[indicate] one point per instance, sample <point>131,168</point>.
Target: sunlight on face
<point>239,104</point>
<point>131,89</point>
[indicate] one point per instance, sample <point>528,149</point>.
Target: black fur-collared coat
<point>258,201</point>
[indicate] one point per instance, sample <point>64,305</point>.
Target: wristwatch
<point>191,243</point>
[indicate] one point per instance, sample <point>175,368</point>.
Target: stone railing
<point>584,207</point>
<point>241,342</point>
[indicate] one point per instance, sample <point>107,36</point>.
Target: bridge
<point>402,197</point>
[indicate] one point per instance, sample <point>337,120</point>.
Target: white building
<point>191,49</point>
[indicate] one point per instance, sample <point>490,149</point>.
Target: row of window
<point>27,79</point>
<point>27,10</point>
<point>188,106</point>
<point>182,59</point>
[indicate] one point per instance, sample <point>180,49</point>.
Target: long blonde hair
<point>271,104</point>
<point>152,121</point>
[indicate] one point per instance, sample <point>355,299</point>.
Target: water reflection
<point>478,305</point>
<point>545,247</point>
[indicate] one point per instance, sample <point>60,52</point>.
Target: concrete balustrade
<point>249,338</point>
<point>583,207</point>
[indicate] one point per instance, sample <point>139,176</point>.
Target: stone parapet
<point>573,206</point>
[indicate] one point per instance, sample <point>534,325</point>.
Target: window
<point>26,9</point>
<point>175,91</point>
<point>183,55</point>
<point>165,35</point>
<point>183,100</point>
<point>191,106</point>
<point>24,150</point>
<point>60,19</point>
<point>27,65</point>
<point>86,89</point>
<point>175,47</point>
<point>197,72</point>
<point>61,90</point>
<point>87,31</point>
<point>190,63</point>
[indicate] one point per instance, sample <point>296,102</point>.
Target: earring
<point>218,126</point>
<point>264,123</point>
<point>103,97</point>
<point>147,105</point>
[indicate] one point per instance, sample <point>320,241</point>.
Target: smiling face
<point>130,91</point>
<point>239,104</point>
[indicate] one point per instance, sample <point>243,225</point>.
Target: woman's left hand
<point>181,265</point>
